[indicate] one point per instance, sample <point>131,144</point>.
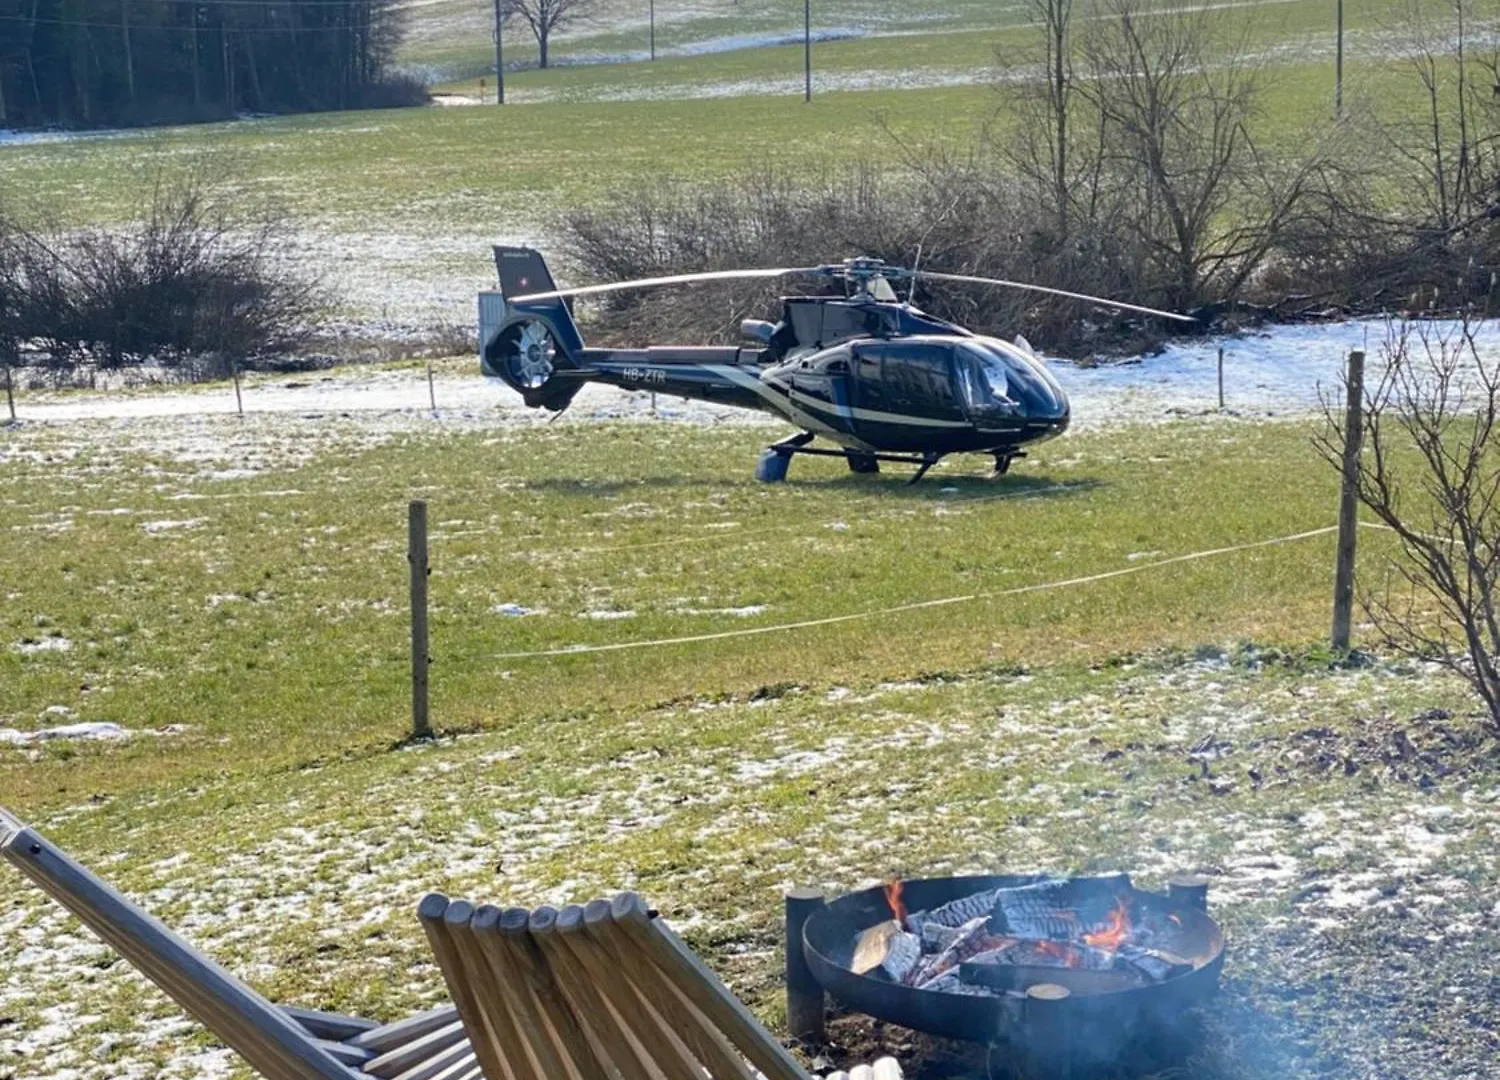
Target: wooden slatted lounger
<point>598,992</point>
<point>279,1043</point>
<point>603,992</point>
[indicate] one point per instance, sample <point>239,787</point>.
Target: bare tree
<point>1132,139</point>
<point>1040,153</point>
<point>1449,146</point>
<point>1430,472</point>
<point>1173,95</point>
<point>546,17</point>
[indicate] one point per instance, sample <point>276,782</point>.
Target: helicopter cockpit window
<point>985,378</point>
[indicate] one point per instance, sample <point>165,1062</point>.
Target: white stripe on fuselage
<point>875,416</point>
<point>783,405</point>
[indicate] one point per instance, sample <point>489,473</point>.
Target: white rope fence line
<point>1383,527</point>
<point>734,534</point>
<point>920,605</point>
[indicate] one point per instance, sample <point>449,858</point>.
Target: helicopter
<point>877,377</point>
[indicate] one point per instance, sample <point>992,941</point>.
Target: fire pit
<point>1024,960</point>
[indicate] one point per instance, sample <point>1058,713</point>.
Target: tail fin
<point>528,344</point>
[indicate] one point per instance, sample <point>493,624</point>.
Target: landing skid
<point>778,457</point>
<point>1003,461</point>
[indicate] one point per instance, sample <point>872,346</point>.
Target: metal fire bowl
<point>1105,1022</point>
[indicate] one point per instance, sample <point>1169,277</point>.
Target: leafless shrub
<point>198,276</point>
<point>1430,472</point>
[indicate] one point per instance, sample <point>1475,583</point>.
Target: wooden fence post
<point>431,392</point>
<point>1354,424</point>
<point>1221,378</point>
<point>234,373</point>
<point>416,556</point>
<point>10,394</point>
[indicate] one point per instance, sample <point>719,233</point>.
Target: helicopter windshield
<point>986,379</point>
<point>1000,380</point>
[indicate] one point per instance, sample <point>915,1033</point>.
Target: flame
<point>1114,932</point>
<point>893,898</point>
<point>1058,950</point>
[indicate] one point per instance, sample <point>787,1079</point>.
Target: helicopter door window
<point>869,387</point>
<point>834,364</point>
<point>919,379</point>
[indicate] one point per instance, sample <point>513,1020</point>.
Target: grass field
<point>265,611</point>
<point>234,595</point>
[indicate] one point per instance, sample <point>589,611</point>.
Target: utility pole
<point>1338,65</point>
<point>807,49</point>
<point>653,29</point>
<point>500,58</point>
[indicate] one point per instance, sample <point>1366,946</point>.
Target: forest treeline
<point>87,63</point>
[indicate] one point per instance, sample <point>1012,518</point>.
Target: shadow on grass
<point>932,487</point>
<point>940,488</point>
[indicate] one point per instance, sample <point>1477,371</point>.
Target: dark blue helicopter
<point>879,378</point>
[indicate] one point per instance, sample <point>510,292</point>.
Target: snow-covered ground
<point>1276,372</point>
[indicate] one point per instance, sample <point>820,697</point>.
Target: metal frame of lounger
<point>279,1043</point>
<point>598,992</point>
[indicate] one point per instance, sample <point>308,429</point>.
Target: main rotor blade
<point>1104,301</point>
<point>674,279</point>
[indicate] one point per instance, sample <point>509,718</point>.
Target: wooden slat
<point>578,1044</point>
<point>485,988</point>
<point>389,1036</point>
<point>327,1025</point>
<point>706,1041</point>
<point>349,1055</point>
<point>704,989</point>
<point>624,1050</point>
<point>452,1063</point>
<point>544,1057</point>
<point>396,1061</point>
<point>247,1022</point>
<point>227,1025</point>
<point>671,1056</point>
<point>432,912</point>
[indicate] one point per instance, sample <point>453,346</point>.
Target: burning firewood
<point>1158,965</point>
<point>1059,909</point>
<point>973,938</point>
<point>1083,931</point>
<point>955,913</point>
<point>888,947</point>
<point>1048,954</point>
